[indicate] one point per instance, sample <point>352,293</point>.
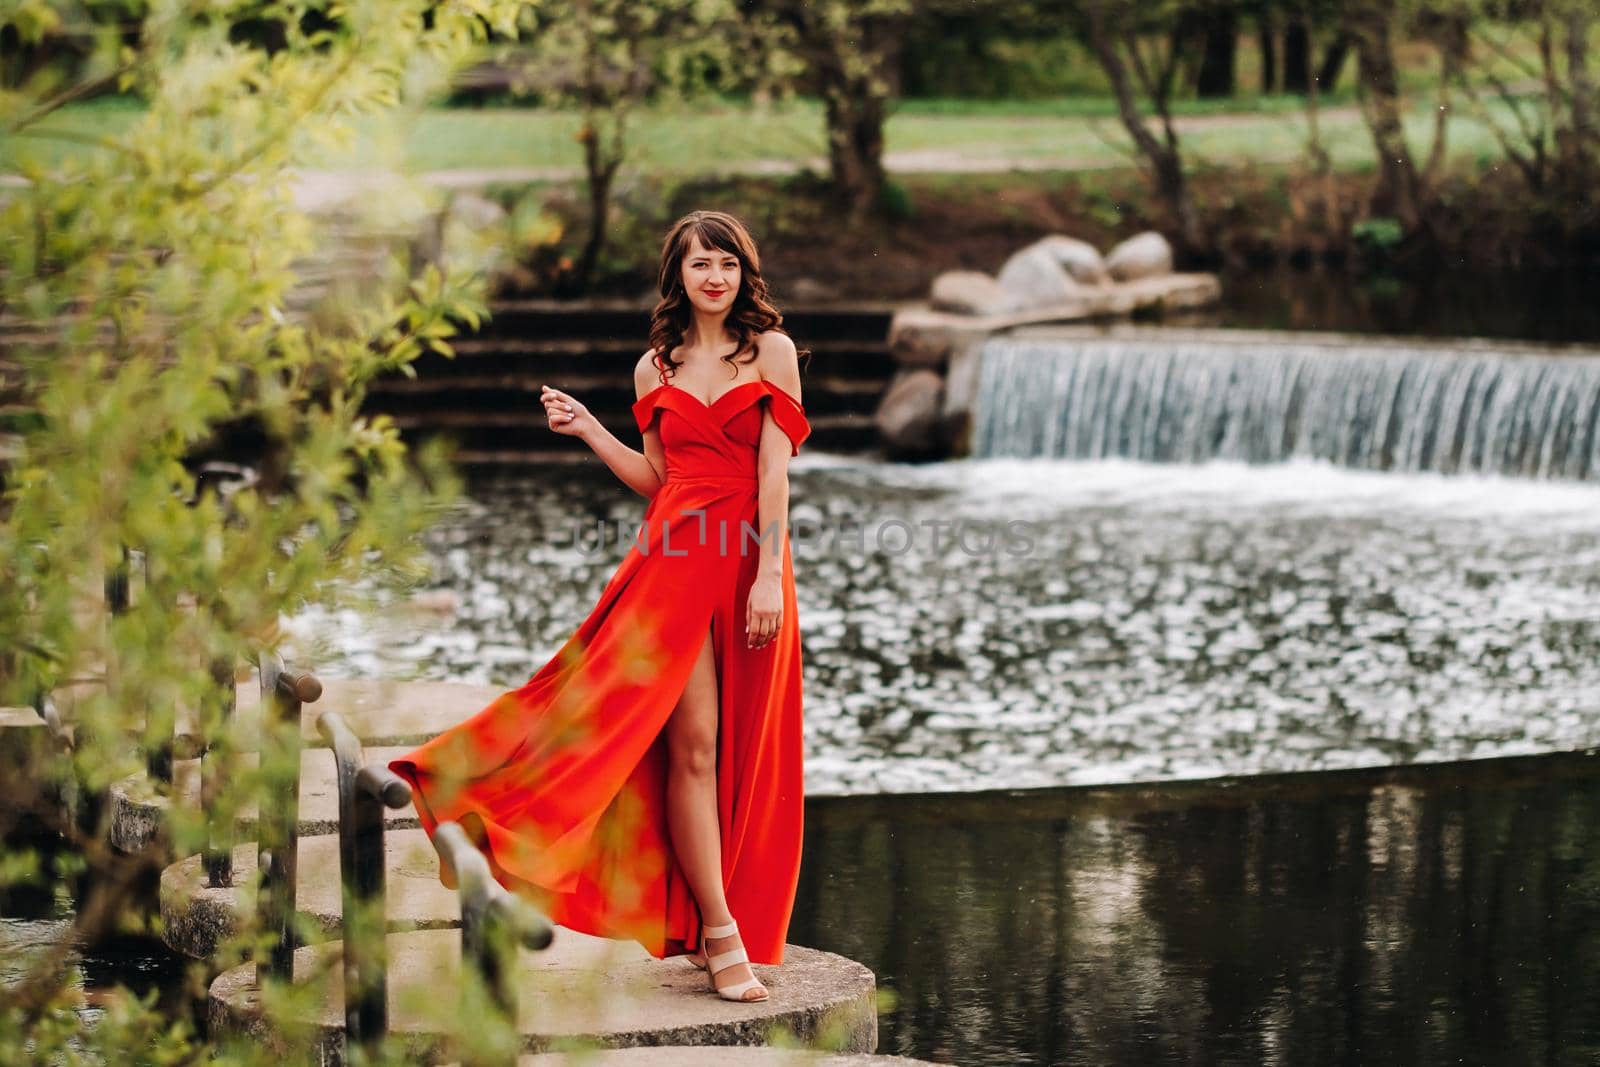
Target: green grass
<point>701,140</point>
<point>1106,106</point>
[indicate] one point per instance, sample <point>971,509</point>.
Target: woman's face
<point>711,278</point>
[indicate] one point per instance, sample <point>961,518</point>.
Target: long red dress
<point>563,781</point>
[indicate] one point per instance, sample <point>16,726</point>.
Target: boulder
<point>969,292</point>
<point>1033,277</point>
<point>1080,259</point>
<point>924,337</point>
<point>909,415</point>
<point>1144,255</point>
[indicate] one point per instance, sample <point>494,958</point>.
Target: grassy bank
<point>715,137</point>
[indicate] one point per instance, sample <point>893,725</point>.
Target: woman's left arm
<point>778,364</point>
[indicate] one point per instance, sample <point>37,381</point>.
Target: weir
<point>1369,403</point>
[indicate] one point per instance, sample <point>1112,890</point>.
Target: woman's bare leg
<point>692,803</point>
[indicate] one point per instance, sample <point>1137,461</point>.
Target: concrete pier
<point>583,989</point>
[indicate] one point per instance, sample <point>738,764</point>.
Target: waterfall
<point>1378,405</point>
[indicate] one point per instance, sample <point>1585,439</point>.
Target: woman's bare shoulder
<point>776,344</point>
<point>778,362</point>
<point>645,374</point>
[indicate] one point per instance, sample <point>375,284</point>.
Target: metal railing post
<point>494,923</point>
<point>364,793</point>
<point>216,769</point>
<point>278,809</point>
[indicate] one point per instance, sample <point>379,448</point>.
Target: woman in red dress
<point>646,783</point>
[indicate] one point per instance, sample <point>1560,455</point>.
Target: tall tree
<point>1551,136</point>
<point>1220,50</point>
<point>604,58</point>
<point>1139,46</point>
<point>1267,45</point>
<point>1373,26</point>
<point>850,50</point>
<point>1296,55</point>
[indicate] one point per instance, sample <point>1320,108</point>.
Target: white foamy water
<point>1165,621</point>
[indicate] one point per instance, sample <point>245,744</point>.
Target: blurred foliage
<point>148,299</point>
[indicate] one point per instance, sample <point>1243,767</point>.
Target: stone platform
<point>196,917</point>
<point>581,989</point>
<point>382,712</point>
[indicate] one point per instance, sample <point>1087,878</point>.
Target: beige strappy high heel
<point>731,958</point>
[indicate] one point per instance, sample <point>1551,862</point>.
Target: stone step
<point>197,917</point>
<point>139,810</point>
<point>520,390</point>
<point>609,318</point>
<point>495,431</point>
<point>580,989</point>
<point>866,358</point>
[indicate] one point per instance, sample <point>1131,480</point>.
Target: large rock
<point>1080,259</point>
<point>1033,277</point>
<point>909,415</point>
<point>970,292</point>
<point>1145,255</point>
<point>926,337</point>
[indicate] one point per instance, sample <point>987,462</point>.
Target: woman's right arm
<point>643,472</point>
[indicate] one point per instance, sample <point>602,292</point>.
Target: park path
<point>319,187</point>
<point>326,189</point>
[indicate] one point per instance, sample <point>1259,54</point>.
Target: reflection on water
<point>1527,303</point>
<point>1168,621</point>
<point>1422,916</point>
<point>33,924</point>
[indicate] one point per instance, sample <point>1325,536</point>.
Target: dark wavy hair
<point>752,313</point>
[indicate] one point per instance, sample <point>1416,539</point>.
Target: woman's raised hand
<point>567,416</point>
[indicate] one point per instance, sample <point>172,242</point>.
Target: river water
<point>1124,622</point>
<point>1431,915</point>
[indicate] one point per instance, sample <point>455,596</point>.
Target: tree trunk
<point>1215,78</point>
<point>1371,25</point>
<point>600,171</point>
<point>857,72</point>
<point>1161,155</point>
<point>1267,41</point>
<point>855,149</point>
<point>1333,63</point>
<point>1296,57</point>
<point>1450,34</point>
<point>1582,147</point>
